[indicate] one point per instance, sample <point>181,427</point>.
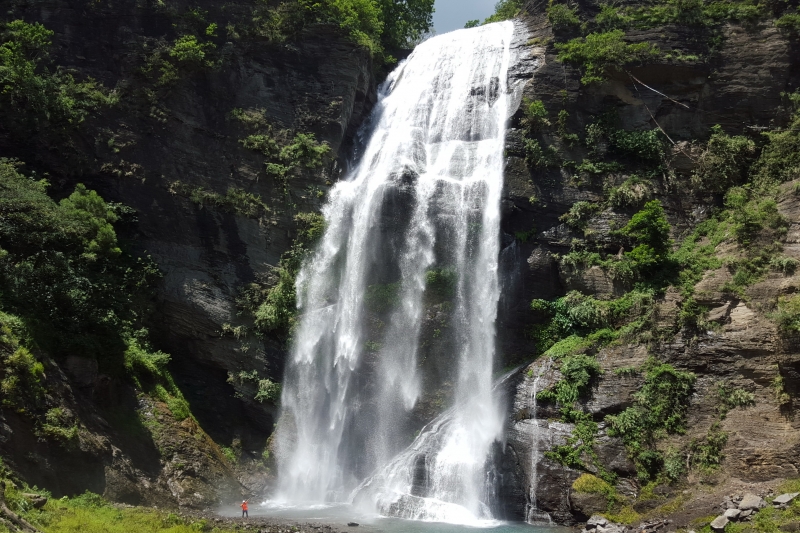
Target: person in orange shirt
<point>244,508</point>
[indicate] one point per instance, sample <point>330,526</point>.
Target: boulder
<point>596,520</point>
<point>791,527</point>
<point>719,523</point>
<point>751,501</point>
<point>732,514</point>
<point>783,499</point>
<point>588,504</point>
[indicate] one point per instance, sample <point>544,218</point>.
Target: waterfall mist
<point>413,232</point>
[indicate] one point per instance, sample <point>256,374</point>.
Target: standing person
<point>244,508</point>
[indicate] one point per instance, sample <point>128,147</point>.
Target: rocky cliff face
<point>738,346</point>
<point>173,151</point>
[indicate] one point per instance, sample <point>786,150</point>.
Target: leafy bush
<point>788,314</point>
<point>641,145</point>
<point>235,200</point>
<point>789,22</point>
<point>724,163</point>
<point>631,193</point>
<point>188,50</point>
<point>659,409</point>
<point>273,303</point>
<point>706,453</point>
<point>577,372</point>
<point>268,391</point>
<point>562,17</point>
<point>63,271</point>
<point>579,214</point>
<point>599,53</point>
<point>730,398</point>
<point>539,157</point>
<point>504,10</point>
<point>649,227</point>
<point>535,117</point>
<point>779,160</point>
<point>35,100</point>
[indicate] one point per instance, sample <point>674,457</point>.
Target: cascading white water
<point>426,195</point>
<point>532,513</point>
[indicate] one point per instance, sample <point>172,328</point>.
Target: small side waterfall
<point>532,513</point>
<point>421,211</point>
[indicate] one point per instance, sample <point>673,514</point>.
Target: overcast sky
<point>453,14</point>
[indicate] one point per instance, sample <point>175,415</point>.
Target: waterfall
<point>532,513</point>
<point>414,227</point>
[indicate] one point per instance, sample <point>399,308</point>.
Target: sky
<point>453,14</point>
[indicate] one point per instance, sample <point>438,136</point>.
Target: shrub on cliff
<point>34,98</point>
<point>62,269</point>
<point>659,409</point>
<point>600,53</point>
<point>725,162</point>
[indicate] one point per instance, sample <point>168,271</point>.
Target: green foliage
<point>789,22</point>
<point>504,10</point>
<point>562,17</point>
<point>779,160</point>
<point>631,193</point>
<point>273,302</point>
<point>284,158</point>
<point>589,484</point>
<point>90,513</point>
<point>147,368</point>
<point>730,398</point>
<point>235,200</point>
<point>579,214</point>
<point>525,236</point>
<point>698,13</point>
<point>577,372</point>
<point>266,390</point>
<point>649,228</point>
<point>579,445</point>
<point>788,314</point>
<point>599,53</point>
<point>535,118</point>
<point>751,212</point>
<point>304,151</point>
<point>600,321</point>
<point>59,426</point>
<point>21,373</point>
<point>706,453</point>
<point>641,145</point>
<point>35,100</point>
<point>441,283</point>
<point>539,157</point>
<point>778,386</point>
<point>659,409</point>
<point>725,162</point>
<point>62,270</point>
<point>474,23</point>
<point>188,50</point>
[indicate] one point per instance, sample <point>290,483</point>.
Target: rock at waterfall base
<point>751,501</point>
<point>732,514</point>
<point>783,499</point>
<point>719,523</point>
<point>596,520</point>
